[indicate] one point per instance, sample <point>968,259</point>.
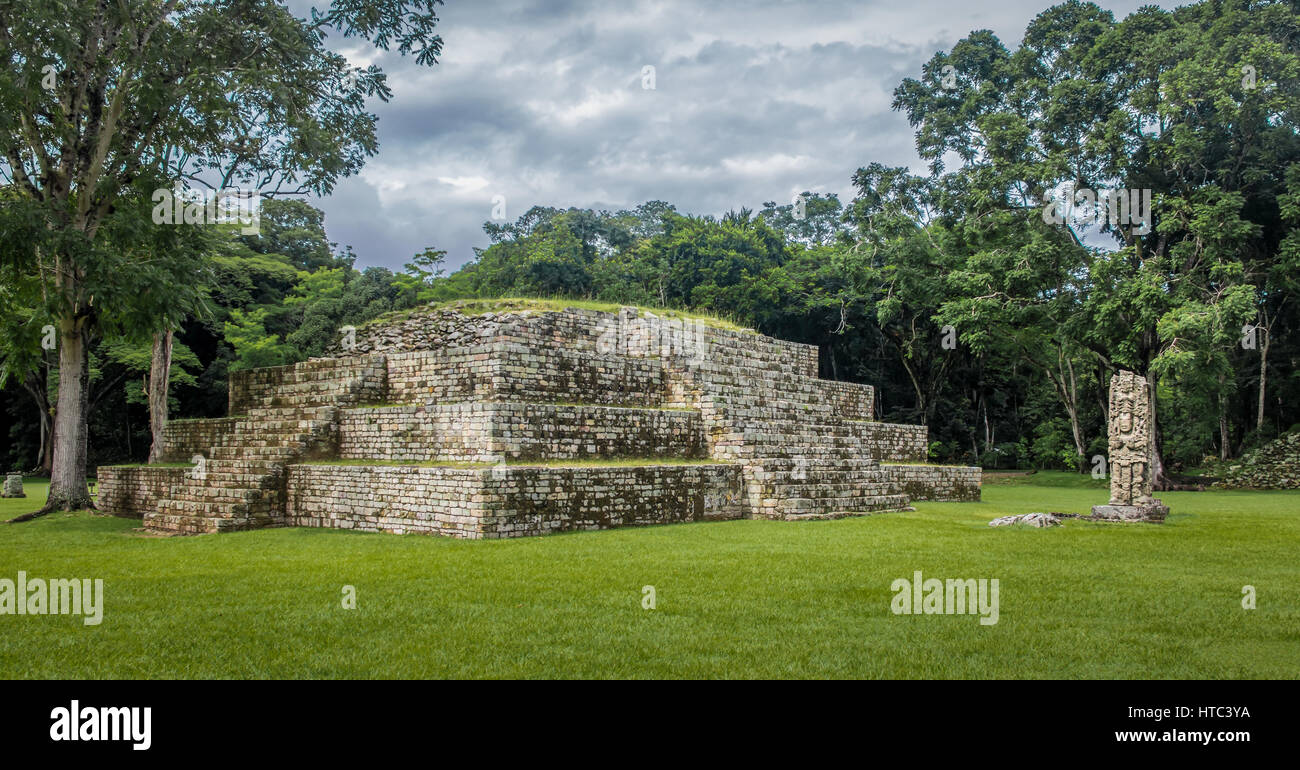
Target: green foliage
<point>254,348</point>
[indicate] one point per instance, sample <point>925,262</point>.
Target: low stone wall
<point>376,498</point>
<point>441,376</point>
<point>534,373</point>
<point>517,431</point>
<point>450,432</point>
<point>134,490</point>
<point>422,329</point>
<point>519,372</point>
<point>315,382</point>
<point>588,432</point>
<point>508,501</point>
<point>936,483</point>
<point>540,500</point>
<point>887,441</point>
<point>691,342</point>
<point>185,438</point>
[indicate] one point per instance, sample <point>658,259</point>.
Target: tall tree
<point>104,103</point>
<point>1196,105</point>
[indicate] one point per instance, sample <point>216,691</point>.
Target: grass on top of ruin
<point>556,304</point>
<point>732,599</point>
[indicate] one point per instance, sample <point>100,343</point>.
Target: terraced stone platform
<point>528,422</point>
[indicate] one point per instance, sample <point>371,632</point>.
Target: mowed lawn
<point>734,599</point>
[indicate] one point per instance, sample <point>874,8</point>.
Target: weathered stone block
<point>13,486</point>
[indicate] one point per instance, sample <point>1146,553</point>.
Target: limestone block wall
<point>630,333</point>
<point>430,500</point>
<point>531,372</point>
<point>134,490</point>
<point>508,501</point>
<point>754,393</point>
<point>424,328</point>
<point>889,441</point>
<point>688,342</point>
<point>521,431</point>
<point>449,432</point>
<point>442,376</point>
<point>516,371</point>
<point>488,432</point>
<point>936,483</point>
<point>850,400</point>
<point>316,382</point>
<point>185,438</point>
<point>541,500</point>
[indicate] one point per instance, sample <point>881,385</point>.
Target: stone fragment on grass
<point>13,486</point>
<point>1031,519</point>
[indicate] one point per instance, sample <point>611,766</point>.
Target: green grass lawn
<point>734,599</point>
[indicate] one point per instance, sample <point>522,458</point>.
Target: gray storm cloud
<point>543,103</point>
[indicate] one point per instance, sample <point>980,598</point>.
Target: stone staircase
<point>291,416</point>
<point>801,459</point>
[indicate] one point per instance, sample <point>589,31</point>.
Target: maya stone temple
<point>525,422</point>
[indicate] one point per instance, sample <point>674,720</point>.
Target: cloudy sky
<point>545,102</point>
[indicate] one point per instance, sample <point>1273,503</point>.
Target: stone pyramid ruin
<point>524,422</point>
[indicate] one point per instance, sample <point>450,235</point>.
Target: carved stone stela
<point>1131,445</point>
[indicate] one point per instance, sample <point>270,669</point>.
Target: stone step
<point>238,481</point>
<point>289,411</point>
<point>216,494</point>
<point>810,495</point>
<point>323,413</point>
<point>269,446</point>
<point>254,454</point>
<point>777,464</point>
<point>220,465</point>
<point>876,505</point>
<point>199,525</point>
<point>214,509</point>
<point>286,425</point>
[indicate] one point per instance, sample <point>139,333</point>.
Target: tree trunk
<point>1072,408</point>
<point>37,386</point>
<point>46,459</point>
<point>1159,481</point>
<point>159,374</point>
<point>1223,419</point>
<point>1066,384</point>
<point>1263,377</point>
<point>68,491</point>
<point>916,387</point>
